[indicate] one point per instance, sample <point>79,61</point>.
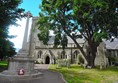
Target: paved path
<point>41,66</point>
<point>48,76</point>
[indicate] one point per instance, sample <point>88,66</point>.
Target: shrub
<point>113,60</point>
<point>81,60</point>
<point>39,61</point>
<point>63,62</point>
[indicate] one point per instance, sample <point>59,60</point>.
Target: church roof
<point>112,45</point>
<point>78,40</point>
<point>51,40</point>
<point>70,41</point>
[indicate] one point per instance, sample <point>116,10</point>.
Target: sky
<point>28,5</point>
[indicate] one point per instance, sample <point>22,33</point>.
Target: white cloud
<point>19,32</point>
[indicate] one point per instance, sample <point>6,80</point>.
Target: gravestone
<point>101,58</point>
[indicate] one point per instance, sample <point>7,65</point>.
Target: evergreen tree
<point>9,14</point>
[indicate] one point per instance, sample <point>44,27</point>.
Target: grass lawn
<point>3,65</point>
<point>77,74</point>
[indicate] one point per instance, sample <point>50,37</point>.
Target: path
<point>48,76</point>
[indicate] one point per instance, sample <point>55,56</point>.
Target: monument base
<point>10,77</point>
<point>20,67</point>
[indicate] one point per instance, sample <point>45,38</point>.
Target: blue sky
<point>28,5</point>
<point>31,5</point>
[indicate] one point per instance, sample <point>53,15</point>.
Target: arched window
<point>40,54</point>
<point>63,55</point>
<point>75,54</point>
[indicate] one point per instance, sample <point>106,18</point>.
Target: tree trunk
<point>92,47</point>
<point>92,54</point>
<point>91,59</point>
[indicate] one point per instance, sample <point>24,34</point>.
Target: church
<point>47,54</point>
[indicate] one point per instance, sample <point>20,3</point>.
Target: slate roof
<point>78,40</point>
<point>70,41</point>
<point>51,40</point>
<point>112,45</point>
<point>109,45</point>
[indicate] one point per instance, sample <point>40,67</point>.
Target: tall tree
<point>9,14</point>
<point>92,20</point>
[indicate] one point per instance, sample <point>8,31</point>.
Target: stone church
<point>46,54</point>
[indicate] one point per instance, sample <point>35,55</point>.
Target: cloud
<point>19,32</point>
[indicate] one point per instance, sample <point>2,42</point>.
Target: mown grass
<point>77,74</point>
<point>3,65</point>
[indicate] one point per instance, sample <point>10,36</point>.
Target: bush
<point>39,61</point>
<point>81,60</point>
<point>63,62</point>
<point>113,60</point>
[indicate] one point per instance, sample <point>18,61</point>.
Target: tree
<point>10,13</point>
<point>92,20</point>
<point>7,49</point>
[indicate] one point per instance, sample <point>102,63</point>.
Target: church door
<point>47,61</point>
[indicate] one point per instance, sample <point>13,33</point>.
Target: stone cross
<point>24,45</point>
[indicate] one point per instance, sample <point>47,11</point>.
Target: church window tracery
<point>63,55</point>
<point>40,54</point>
